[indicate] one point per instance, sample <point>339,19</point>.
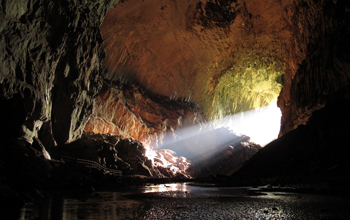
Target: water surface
<point>184,201</point>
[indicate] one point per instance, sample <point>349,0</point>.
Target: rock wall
<point>51,54</point>
<point>315,154</point>
<point>232,56</point>
<point>318,64</point>
<point>128,111</point>
<point>225,56</point>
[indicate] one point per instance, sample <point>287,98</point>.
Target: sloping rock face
<point>225,56</point>
<point>315,153</point>
<point>128,111</point>
<point>225,161</point>
<point>319,61</point>
<point>212,151</point>
<point>51,54</point>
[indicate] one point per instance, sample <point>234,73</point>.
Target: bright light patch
<point>261,125</point>
<point>196,143</point>
<point>166,159</point>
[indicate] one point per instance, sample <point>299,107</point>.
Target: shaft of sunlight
<point>261,125</point>
<point>199,142</point>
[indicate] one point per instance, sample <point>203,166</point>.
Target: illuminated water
<point>183,201</point>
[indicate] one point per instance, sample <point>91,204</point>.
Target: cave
<point>160,90</point>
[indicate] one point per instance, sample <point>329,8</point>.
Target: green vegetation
<point>254,81</point>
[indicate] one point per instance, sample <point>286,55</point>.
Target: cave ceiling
<point>225,56</point>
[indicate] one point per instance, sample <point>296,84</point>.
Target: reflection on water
<point>101,205</point>
<point>195,189</point>
<point>171,187</point>
<point>185,201</point>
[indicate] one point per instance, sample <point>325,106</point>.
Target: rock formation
<point>232,56</point>
<point>51,54</point>
<point>178,134</point>
<point>312,154</point>
<point>217,151</point>
<point>318,62</point>
<point>225,56</point>
<point>128,111</point>
<point>111,151</point>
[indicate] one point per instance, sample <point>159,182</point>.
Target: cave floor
<point>185,201</point>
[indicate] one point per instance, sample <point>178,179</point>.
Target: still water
<point>184,201</point>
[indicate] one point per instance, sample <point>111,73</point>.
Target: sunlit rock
<point>210,151</point>
<point>232,56</point>
<point>226,56</point>
<point>128,111</point>
<point>111,151</point>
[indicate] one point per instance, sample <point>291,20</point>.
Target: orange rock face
<point>127,111</point>
<point>232,56</point>
<point>182,49</point>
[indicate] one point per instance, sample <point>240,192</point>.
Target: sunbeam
<point>261,125</point>
<point>203,145</point>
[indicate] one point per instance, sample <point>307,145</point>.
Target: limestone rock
<point>232,56</point>
<point>128,111</point>
<point>318,62</point>
<point>51,54</point>
<point>225,56</point>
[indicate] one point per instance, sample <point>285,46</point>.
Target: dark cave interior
<point>110,82</point>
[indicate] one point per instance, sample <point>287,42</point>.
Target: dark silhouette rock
<point>312,154</point>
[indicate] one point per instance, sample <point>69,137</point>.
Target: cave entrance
<point>217,146</point>
<point>262,125</point>
<point>170,50</point>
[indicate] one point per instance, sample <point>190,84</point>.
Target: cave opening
<point>168,59</point>
<point>262,125</point>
